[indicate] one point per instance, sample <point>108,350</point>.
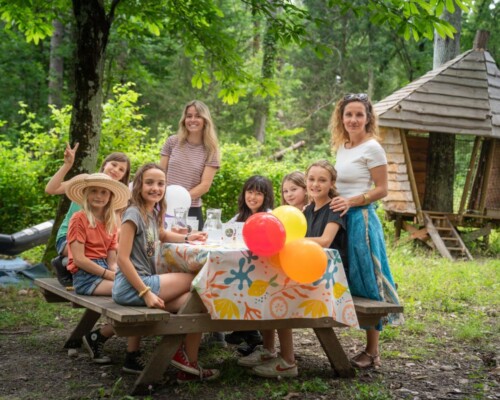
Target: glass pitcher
<point>213,225</point>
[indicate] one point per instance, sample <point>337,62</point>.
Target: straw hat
<point>77,186</point>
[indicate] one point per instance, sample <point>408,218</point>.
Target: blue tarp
<point>17,272</point>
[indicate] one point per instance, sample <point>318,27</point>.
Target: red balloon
<point>264,234</point>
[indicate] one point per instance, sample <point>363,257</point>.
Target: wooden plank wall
<point>399,198</point>
<point>417,145</point>
<point>493,190</point>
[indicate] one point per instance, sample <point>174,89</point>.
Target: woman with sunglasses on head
<point>361,166</point>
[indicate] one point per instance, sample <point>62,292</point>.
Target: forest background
<point>149,77</point>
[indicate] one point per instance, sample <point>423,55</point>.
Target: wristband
<point>103,273</point>
<point>186,238</point>
<point>144,291</point>
<point>366,198</point>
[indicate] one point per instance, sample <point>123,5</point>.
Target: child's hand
<point>198,236</point>
<point>69,154</point>
<point>153,301</point>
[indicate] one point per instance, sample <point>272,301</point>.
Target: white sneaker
<point>259,356</point>
<point>276,368</point>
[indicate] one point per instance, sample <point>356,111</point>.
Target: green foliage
<point>27,165</point>
<point>241,162</point>
<point>22,167</point>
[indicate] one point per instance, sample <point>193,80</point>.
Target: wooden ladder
<point>445,236</point>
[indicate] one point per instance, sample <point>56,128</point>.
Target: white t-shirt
<point>353,167</point>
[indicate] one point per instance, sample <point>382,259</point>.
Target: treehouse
<point>461,98</point>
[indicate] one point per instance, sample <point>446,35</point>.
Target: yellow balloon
<point>303,260</point>
<point>293,220</point>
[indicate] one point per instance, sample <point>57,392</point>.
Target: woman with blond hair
<point>361,166</point>
<point>191,157</point>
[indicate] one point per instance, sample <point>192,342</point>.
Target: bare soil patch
<point>33,365</point>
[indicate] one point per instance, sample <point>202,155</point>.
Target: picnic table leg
<point>155,368</point>
<point>335,353</point>
<point>87,322</point>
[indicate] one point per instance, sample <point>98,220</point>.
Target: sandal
<point>363,360</point>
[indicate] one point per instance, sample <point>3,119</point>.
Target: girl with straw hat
<point>93,241</point>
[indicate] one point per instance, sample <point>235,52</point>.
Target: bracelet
<point>144,291</point>
<point>103,273</point>
<point>186,238</point>
<point>366,198</point>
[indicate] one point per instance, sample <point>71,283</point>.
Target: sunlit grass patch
<point>365,391</point>
<point>415,327</point>
<point>30,308</point>
<point>472,330</point>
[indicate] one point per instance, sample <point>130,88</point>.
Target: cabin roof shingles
<point>460,97</point>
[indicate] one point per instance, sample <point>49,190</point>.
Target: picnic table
<point>229,295</point>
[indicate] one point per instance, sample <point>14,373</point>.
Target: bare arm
<point>379,177</point>
<point>173,237</point>
<point>112,257</point>
<point>206,181</point>
<point>329,233</point>
<point>56,184</point>
<point>128,230</point>
<point>164,163</point>
<point>85,263</point>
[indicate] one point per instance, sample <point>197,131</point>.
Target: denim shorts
<point>125,294</point>
<point>85,283</point>
<point>60,244</point>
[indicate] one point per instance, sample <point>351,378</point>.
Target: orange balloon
<point>303,260</point>
<point>274,260</point>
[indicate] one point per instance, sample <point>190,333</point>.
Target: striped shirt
<point>186,164</point>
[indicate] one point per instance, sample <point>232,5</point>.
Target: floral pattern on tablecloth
<point>234,283</point>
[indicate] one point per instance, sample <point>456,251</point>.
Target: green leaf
<point>450,6</point>
<point>407,32</point>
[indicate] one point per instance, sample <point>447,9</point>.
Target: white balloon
<point>177,196</point>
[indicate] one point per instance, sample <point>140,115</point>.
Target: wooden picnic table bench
<point>193,317</point>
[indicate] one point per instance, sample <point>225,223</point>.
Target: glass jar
<point>180,220</point>
<point>213,225</point>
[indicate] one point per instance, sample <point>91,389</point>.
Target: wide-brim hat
<point>76,188</point>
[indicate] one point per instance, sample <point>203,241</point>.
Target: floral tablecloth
<point>234,283</point>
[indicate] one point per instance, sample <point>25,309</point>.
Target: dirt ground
<point>33,365</point>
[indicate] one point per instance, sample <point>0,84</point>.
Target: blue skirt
<point>369,273</point>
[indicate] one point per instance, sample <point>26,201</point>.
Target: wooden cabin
<point>462,97</point>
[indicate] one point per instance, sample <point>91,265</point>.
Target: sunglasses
<point>356,96</point>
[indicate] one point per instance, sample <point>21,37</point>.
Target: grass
<point>459,300</point>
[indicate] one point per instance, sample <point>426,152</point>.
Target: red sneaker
<point>203,375</point>
<point>181,361</point>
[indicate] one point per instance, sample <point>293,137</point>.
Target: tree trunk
<point>256,31</point>
<point>441,154</point>
<point>92,32</point>
<point>268,67</point>
<point>439,188</point>
<point>56,65</point>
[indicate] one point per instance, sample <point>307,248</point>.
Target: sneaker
<point>64,277</point>
<point>181,361</point>
<point>245,349</point>
<point>275,368</point>
<point>94,342</point>
<point>259,356</point>
<point>250,337</point>
<point>134,363</point>
<point>213,339</point>
<point>202,375</point>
